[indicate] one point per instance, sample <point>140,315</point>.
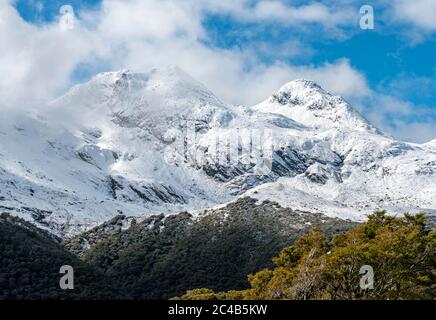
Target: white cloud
<point>421,13</point>
<point>315,13</point>
<point>283,13</point>
<point>149,20</point>
<point>338,77</point>
<point>399,118</point>
<point>143,34</point>
<point>37,61</point>
<point>414,132</point>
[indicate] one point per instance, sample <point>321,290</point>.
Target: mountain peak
<point>144,99</point>
<point>301,84</point>
<point>168,83</point>
<point>168,73</point>
<point>308,103</point>
<point>300,91</point>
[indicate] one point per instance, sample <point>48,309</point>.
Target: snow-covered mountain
<point>143,143</point>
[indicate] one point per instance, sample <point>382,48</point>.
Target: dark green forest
<point>30,260</point>
<point>163,257</point>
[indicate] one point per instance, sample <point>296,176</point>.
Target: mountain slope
<point>160,142</point>
<point>164,256</point>
<point>87,159</point>
<point>30,260</point>
<point>375,171</point>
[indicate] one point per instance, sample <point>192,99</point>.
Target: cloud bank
<point>38,62</point>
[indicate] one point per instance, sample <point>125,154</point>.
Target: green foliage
<point>400,250</point>
<point>164,257</point>
<point>208,294</point>
<point>30,260</point>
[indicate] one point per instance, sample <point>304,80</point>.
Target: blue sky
<point>395,62</point>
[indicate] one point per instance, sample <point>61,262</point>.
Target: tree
<point>400,250</point>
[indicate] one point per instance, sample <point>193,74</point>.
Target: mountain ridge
<point>121,144</point>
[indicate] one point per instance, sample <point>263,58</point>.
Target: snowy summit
<point>106,147</point>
